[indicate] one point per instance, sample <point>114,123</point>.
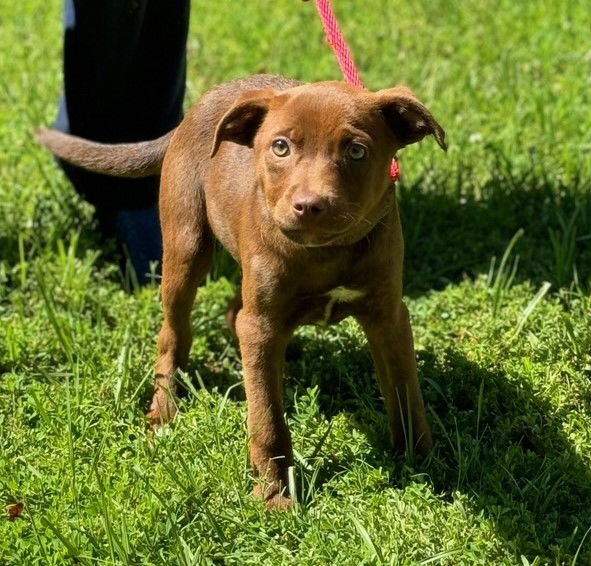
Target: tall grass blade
<point>371,545</point>
<point>531,306</point>
<point>504,276</point>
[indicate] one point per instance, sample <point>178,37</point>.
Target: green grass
<point>505,360</point>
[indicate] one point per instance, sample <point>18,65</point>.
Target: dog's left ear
<point>407,117</point>
<point>241,122</point>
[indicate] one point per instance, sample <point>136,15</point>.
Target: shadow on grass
<point>450,235</point>
<point>515,458</point>
<point>504,448</point>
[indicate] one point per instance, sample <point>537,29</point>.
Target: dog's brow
<point>356,133</point>
<point>351,132</point>
<point>292,133</point>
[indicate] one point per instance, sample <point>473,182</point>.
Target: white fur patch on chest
<point>339,295</point>
<point>344,295</point>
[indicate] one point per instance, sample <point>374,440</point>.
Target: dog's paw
<point>279,502</point>
<point>273,500</point>
<point>163,408</point>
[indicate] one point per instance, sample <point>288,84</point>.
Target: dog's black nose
<point>308,204</point>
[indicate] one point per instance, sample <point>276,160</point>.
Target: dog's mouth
<point>308,238</point>
<point>319,238</point>
<point>338,229</point>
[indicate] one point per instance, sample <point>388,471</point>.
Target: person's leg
<point>124,80</point>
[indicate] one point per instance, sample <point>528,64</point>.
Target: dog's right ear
<point>241,122</point>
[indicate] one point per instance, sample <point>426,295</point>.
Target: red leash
<point>337,41</point>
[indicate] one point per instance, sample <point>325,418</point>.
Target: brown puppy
<point>293,180</point>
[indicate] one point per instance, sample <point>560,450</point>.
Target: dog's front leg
<point>390,340</point>
<point>262,345</point>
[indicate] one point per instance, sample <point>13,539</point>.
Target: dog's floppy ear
<point>242,121</point>
<point>407,117</point>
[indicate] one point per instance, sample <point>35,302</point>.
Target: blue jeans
<point>124,81</point>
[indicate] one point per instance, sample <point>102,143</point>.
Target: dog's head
<point>323,152</point>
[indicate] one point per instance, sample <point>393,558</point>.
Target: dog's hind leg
<point>188,255</point>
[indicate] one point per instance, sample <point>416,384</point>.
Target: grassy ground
<point>505,361</point>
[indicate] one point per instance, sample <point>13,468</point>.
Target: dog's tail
<point>140,159</point>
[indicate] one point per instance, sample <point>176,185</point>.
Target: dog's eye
<point>356,151</point>
<point>280,147</point>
